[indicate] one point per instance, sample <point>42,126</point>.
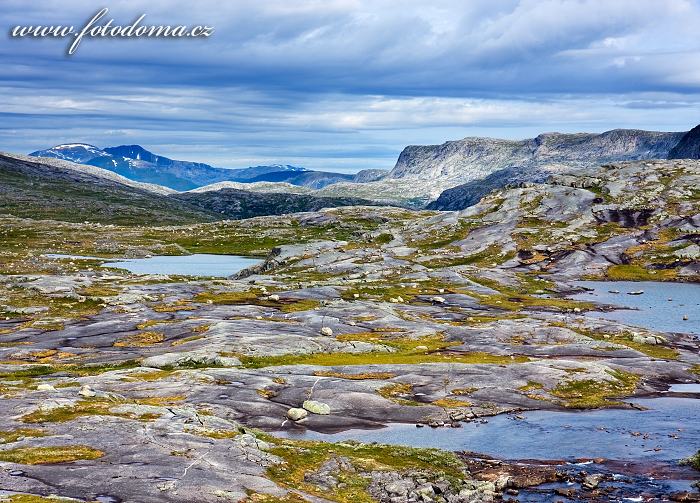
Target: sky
<point>344,85</point>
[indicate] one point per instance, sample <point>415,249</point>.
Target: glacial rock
<point>316,407</point>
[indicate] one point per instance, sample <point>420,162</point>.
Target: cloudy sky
<point>346,84</point>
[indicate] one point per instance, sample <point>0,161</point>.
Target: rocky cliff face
<point>422,173</point>
<point>468,194</point>
<point>688,147</point>
<point>473,158</point>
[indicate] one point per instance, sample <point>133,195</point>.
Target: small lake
<point>666,432</point>
<point>661,307</point>
<point>198,264</point>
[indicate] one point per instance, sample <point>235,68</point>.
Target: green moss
<point>591,393</point>
<point>49,455</point>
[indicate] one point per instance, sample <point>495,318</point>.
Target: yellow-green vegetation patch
<point>27,373</point>
<point>658,350</point>
<point>355,377</point>
<point>303,457</point>
<point>49,455</point>
<point>397,392</point>
<point>451,403</point>
<point>33,498</point>
<point>632,272</point>
<point>185,340</point>
<point>181,305</point>
<point>517,298</point>
<point>150,323</point>
<point>693,461</point>
<point>531,386</point>
<point>592,393</point>
<point>213,433</point>
<point>492,255</point>
<point>143,339</point>
<point>94,407</point>
<point>290,497</point>
<point>98,291</point>
<point>266,393</point>
<point>150,376</point>
<point>407,352</point>
<point>695,369</point>
<point>463,391</point>
<point>9,436</point>
<point>257,298</point>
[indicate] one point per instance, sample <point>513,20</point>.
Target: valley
<point>357,324</point>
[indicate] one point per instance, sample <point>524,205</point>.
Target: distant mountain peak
<point>140,164</point>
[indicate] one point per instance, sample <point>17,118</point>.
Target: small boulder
<point>45,387</point>
<point>297,414</point>
<point>327,331</point>
<point>317,407</point>
<point>592,481</point>
<point>87,391</point>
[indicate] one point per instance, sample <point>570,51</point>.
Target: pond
<point>661,307</point>
<point>666,432</point>
<point>198,264</point>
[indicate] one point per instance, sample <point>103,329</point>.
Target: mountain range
<point>423,172</point>
<point>450,176</point>
<point>55,189</point>
<point>137,163</point>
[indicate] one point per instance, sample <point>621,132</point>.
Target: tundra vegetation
<point>177,387</point>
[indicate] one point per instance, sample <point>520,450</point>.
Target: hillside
<point>236,204</point>
<point>65,191</point>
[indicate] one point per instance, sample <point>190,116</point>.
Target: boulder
<point>297,414</point>
<point>190,359</point>
<point>317,407</point>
